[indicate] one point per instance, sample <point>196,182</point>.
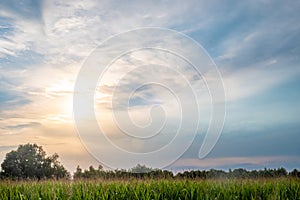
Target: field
<point>280,188</point>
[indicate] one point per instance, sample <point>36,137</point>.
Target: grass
<point>285,188</point>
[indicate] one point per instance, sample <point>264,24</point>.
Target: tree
<point>29,161</point>
<point>295,173</point>
<point>78,173</point>
<point>141,169</point>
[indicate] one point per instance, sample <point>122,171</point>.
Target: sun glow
<point>61,93</point>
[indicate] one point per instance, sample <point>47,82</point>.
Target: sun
<point>60,95</point>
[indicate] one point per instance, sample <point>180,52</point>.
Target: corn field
<point>282,188</point>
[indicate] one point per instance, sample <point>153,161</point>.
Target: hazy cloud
<point>44,43</point>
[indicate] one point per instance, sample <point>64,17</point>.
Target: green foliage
<point>280,188</point>
<point>295,173</point>
<point>143,172</point>
<point>141,169</point>
<point>29,161</point>
<point>137,172</point>
<point>238,173</point>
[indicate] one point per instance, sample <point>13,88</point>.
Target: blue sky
<point>255,45</point>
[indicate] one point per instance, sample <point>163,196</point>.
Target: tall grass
<point>154,189</point>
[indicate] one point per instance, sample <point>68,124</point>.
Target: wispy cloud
<point>229,162</point>
<point>4,148</point>
<point>21,126</point>
<point>44,43</point>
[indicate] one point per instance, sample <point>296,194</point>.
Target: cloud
<point>31,9</point>
<point>11,99</point>
<point>22,126</point>
<point>252,80</point>
<point>272,36</point>
<point>44,43</point>
<point>252,140</point>
<point>229,162</point>
<point>22,33</point>
<point>4,148</point>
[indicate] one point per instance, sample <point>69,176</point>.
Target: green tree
<point>78,173</point>
<point>295,173</point>
<point>29,161</point>
<point>141,169</point>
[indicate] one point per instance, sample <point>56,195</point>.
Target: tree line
<point>138,172</point>
<point>29,162</point>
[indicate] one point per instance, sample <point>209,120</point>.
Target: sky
<point>252,47</point>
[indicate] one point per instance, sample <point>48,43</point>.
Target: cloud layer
<point>43,44</point>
